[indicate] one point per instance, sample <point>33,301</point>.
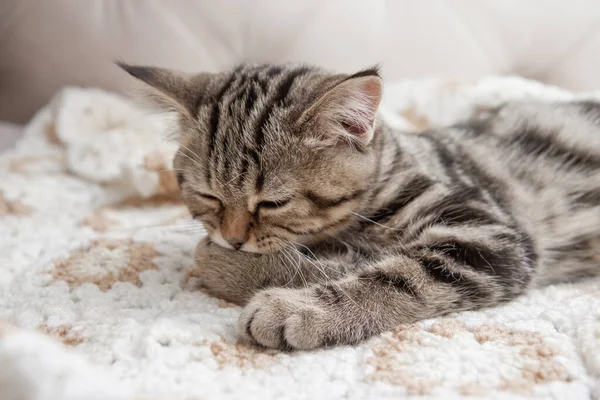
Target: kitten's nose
<point>235,242</point>
<point>235,226</point>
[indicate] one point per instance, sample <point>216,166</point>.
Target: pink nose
<point>235,226</point>
<point>235,242</point>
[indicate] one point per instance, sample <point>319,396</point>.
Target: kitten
<point>346,228</point>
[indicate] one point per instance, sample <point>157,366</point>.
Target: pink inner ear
<point>356,128</point>
<point>372,88</point>
<point>363,103</point>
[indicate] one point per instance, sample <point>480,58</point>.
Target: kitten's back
<point>551,155</point>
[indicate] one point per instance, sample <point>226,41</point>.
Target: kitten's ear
<point>170,90</point>
<point>350,107</point>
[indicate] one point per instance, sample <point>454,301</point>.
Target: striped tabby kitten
<point>347,228</point>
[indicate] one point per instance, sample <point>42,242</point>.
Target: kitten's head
<point>271,155</point>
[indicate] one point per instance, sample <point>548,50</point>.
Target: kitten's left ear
<point>350,107</point>
<point>170,90</point>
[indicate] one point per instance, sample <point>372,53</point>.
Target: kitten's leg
<point>236,276</point>
<point>443,276</point>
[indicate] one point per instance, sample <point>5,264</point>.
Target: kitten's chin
<point>251,247</point>
<point>216,238</point>
<point>248,247</point>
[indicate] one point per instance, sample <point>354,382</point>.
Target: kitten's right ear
<point>170,90</point>
<point>348,109</point>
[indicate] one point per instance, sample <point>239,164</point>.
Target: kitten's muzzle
<point>235,226</point>
<point>236,243</point>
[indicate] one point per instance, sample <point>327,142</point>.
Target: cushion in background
<point>45,45</point>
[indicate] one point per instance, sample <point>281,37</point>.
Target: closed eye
<point>209,197</point>
<point>273,204</point>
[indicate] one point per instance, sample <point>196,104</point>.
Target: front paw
<point>284,319</point>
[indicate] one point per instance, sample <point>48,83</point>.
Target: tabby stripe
<point>497,193</point>
<point>288,229</point>
<point>397,152</point>
<point>260,181</point>
<point>506,237</point>
<point>491,185</point>
<point>474,255</point>
<point>313,231</point>
<point>273,71</point>
<point>414,228</point>
<point>586,197</point>
<point>590,108</point>
<point>281,93</point>
<point>378,149</point>
<point>429,215</point>
<point>215,116</point>
<point>453,210</point>
<point>412,190</point>
<point>437,271</point>
<point>255,156</point>
<point>243,171</point>
<point>580,246</point>
<point>222,158</point>
<point>324,203</point>
<point>214,124</point>
<point>260,178</point>
<point>463,214</point>
<point>284,89</point>
<point>251,98</point>
<point>535,144</point>
<point>388,278</point>
<point>391,171</point>
<point>250,152</point>
<point>264,86</point>
<point>445,158</point>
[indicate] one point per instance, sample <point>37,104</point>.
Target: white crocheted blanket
<point>98,298</point>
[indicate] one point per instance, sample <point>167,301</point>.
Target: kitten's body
<point>396,227</point>
<point>532,166</point>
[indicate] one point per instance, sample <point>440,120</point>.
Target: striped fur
<point>360,227</point>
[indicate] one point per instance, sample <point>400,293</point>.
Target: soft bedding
<point>99,297</point>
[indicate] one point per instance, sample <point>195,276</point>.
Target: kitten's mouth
<point>247,247</point>
<point>251,249</point>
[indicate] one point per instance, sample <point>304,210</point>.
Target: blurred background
<point>47,44</point>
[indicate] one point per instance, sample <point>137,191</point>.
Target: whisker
<point>374,222</point>
<point>190,229</point>
<point>164,226</point>
<point>316,259</point>
<point>235,177</point>
<point>281,182</point>
<point>176,169</point>
<point>182,153</point>
<point>294,267</point>
<point>322,270</point>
